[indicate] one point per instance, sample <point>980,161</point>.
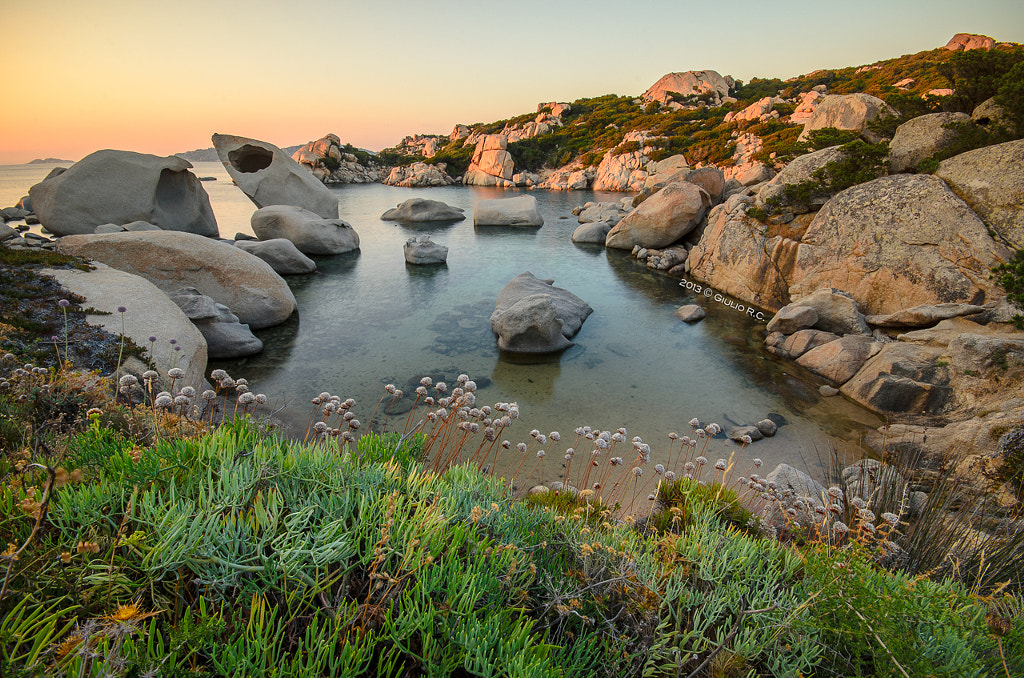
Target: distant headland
<point>43,161</point>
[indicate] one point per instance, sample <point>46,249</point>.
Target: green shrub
<point>329,163</point>
<point>1010,276</point>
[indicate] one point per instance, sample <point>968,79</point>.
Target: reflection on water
<point>367,319</point>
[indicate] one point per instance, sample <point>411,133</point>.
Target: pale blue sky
<point>162,77</point>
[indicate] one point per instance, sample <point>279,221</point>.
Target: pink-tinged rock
<point>662,219</point>
<point>849,112</point>
<point>686,83</point>
<point>839,360</point>
<point>899,241</point>
<point>961,42</point>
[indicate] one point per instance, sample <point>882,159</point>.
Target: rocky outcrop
<point>170,260</point>
<point>608,212</point>
<point>533,316</point>
<point>737,256</point>
<point>419,175</point>
<point>962,42</point>
<point>805,105</point>
<point>835,310</point>
<point>419,210</point>
<point>519,211</point>
<point>226,338</point>
<point>902,378</point>
<point>922,137</point>
<point>991,181</point>
<point>690,83</point>
<point>568,179</point>
<point>621,172</point>
<point>424,252</point>
<point>268,176</point>
<point>311,234</point>
<point>492,164</point>
<point>150,312</point>
<point>775,194</point>
<point>663,218</point>
<point>121,187</point>
<point>895,242</point>
<point>849,112</point>
<point>282,255</point>
<point>923,316</point>
<point>329,162</point>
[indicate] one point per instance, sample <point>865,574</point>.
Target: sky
<point>161,77</point>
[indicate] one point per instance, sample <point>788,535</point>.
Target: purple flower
<point>121,309</point>
<point>63,303</point>
<point>173,342</point>
<point>152,339</point>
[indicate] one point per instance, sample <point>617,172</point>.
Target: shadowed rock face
<point>121,187</point>
<point>268,176</point>
<point>250,158</point>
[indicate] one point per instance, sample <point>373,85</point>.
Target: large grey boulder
<point>268,176</point>
<point>991,181</point>
<point>518,211</point>
<point>849,112</point>
<point>898,241</point>
<point>790,480</point>
<point>533,316</point>
<point>121,187</point>
<point>608,212</point>
<point>418,210</point>
<point>793,318</point>
<point>226,338</point>
<point>661,219</point>
<point>282,255</point>
<point>922,137</point>
<point>310,233</point>
<point>170,260</point>
<point>424,251</point>
<point>594,232</point>
<point>150,312</point>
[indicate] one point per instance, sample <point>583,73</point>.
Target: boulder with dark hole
<point>268,176</point>
<point>121,187</point>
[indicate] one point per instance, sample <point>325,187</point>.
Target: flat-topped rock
<point>418,210</point>
<point>150,312</point>
<point>923,316</point>
<point>518,211</point>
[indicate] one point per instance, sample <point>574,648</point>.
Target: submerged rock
<point>418,210</point>
<point>424,251</point>
<point>533,316</point>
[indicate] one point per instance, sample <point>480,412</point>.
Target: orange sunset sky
<point>161,77</point>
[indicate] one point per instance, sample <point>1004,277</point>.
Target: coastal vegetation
<point>157,535</point>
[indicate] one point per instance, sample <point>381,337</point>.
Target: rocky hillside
<point>747,129</point>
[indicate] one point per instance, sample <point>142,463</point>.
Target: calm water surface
<point>367,319</point>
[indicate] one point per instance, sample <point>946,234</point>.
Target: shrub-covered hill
<point>912,84</point>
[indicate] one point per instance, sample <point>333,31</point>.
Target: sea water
<point>367,319</point>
